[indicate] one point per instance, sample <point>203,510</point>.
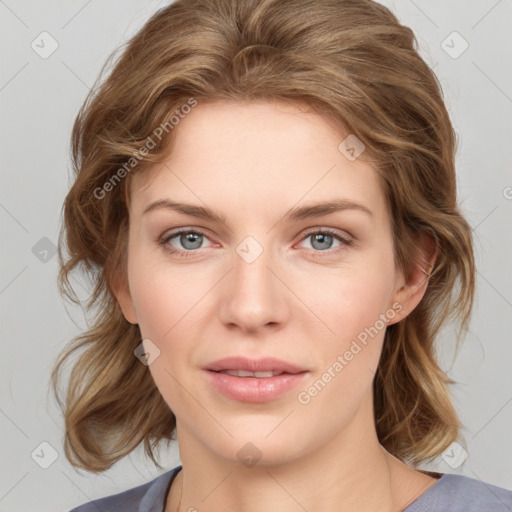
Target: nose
<point>254,297</point>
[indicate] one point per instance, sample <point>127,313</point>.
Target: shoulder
<point>148,496</point>
<point>458,493</point>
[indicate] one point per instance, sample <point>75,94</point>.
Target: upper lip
<point>265,364</point>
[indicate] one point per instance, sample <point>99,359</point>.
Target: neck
<point>352,472</point>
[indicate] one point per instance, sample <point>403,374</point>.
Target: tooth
<point>263,374</point>
<point>246,373</point>
<point>239,373</point>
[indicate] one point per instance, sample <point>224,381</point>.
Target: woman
<point>265,199</point>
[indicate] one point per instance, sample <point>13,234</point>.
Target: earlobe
<point>415,283</point>
<point>124,299</point>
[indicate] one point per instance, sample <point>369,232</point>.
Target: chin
<point>254,446</point>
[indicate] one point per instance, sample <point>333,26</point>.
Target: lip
<point>254,389</point>
<point>254,365</point>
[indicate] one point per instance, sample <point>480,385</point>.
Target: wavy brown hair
<point>350,60</point>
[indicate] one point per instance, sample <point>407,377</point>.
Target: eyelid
<point>336,232</point>
<point>167,236</point>
<point>345,239</point>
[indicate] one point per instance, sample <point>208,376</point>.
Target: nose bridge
<point>252,275</point>
<point>255,296</point>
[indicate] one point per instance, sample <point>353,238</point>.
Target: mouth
<point>254,367</point>
<point>246,373</point>
<point>254,380</point>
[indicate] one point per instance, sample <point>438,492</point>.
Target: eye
<point>192,239</point>
<point>189,239</point>
<point>322,240</point>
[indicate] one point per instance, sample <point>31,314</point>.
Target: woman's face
<point>279,278</point>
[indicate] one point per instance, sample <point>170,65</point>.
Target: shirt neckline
<point>174,473</point>
<point>429,496</point>
<point>426,496</point>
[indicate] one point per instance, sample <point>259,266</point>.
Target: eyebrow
<point>294,214</point>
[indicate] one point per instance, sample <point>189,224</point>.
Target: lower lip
<point>254,389</point>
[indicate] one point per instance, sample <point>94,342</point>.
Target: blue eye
<point>322,239</point>
<point>188,238</point>
<point>192,239</point>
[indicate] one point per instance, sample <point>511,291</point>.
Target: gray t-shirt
<point>451,493</point>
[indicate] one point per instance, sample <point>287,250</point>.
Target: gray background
<point>39,98</point>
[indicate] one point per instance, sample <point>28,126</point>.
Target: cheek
<point>353,305</point>
<point>166,314</point>
<point>333,316</point>
<point>348,300</point>
<point>173,311</point>
<point>165,297</point>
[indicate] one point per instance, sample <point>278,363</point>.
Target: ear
<point>122,294</point>
<point>411,288</point>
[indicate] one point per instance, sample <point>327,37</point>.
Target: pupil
<point>321,237</point>
<point>192,238</point>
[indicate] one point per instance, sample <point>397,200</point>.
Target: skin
<point>253,162</point>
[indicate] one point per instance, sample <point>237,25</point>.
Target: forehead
<point>257,153</point>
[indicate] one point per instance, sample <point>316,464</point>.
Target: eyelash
<point>185,254</point>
